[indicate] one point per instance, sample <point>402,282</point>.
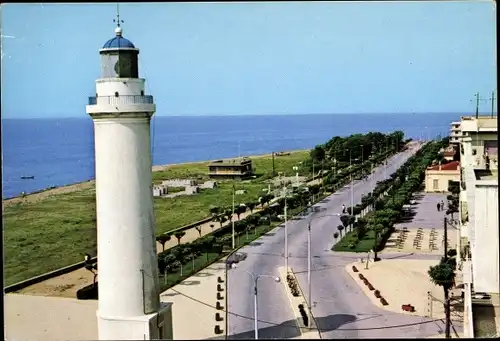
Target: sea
<point>59,152</point>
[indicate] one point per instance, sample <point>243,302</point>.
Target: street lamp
<point>255,306</point>
<point>296,169</point>
<point>309,258</point>
<point>285,190</point>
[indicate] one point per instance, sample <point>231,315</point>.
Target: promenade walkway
<point>58,318</point>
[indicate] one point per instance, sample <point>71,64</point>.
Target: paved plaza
<point>69,319</point>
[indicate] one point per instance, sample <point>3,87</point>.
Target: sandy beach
<point>87,185</point>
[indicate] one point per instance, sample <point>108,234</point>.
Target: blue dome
<point>118,42</point>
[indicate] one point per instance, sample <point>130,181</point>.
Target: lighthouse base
<point>155,326</point>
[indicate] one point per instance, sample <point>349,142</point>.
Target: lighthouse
<point>129,306</point>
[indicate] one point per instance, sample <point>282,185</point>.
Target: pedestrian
<point>439,207</point>
<point>442,205</point>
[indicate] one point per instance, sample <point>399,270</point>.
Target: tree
<point>214,210</point>
<point>377,229</point>
<point>163,239</point>
<point>229,214</point>
<point>198,228</point>
<point>179,236</point>
<point>251,205</point>
<point>345,219</point>
<point>318,153</point>
<point>240,210</point>
<point>444,276</point>
<point>340,228</point>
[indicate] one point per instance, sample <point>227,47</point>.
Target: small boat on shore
<point>28,177</point>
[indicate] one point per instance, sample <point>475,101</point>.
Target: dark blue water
<point>61,151</point>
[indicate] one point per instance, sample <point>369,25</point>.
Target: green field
<point>56,231</point>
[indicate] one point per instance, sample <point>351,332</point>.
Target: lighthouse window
<point>116,94</point>
<point>142,92</point>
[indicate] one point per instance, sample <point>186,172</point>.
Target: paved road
<point>339,306</point>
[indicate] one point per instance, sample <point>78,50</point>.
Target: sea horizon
<point>60,151</point>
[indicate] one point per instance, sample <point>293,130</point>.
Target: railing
<point>127,99</point>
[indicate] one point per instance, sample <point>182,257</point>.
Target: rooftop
<point>486,174</point>
<point>451,166</point>
<point>231,162</point>
<point>118,41</point>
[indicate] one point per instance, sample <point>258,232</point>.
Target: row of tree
<point>215,242</point>
<point>387,209</point>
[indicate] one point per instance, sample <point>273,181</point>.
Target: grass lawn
<point>263,166</point>
<point>58,230</point>
<point>364,245</point>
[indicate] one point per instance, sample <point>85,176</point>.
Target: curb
<point>311,332</point>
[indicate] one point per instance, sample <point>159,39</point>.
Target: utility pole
<point>352,188</point>
<point>274,174</point>
<point>478,99</point>
<point>492,103</point>
<point>286,231</point>
<point>313,180</point>
<point>232,222</point>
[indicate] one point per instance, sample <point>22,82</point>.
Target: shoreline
<point>84,185</point>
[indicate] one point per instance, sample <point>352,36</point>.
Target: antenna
<point>117,20</point>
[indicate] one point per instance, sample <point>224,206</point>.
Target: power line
<point>295,327</point>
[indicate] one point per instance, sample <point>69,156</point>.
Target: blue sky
<point>256,58</point>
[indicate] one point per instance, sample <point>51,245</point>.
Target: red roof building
<point>451,166</point>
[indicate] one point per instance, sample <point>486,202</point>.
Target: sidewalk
<point>58,319</point>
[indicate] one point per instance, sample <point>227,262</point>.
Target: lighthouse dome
<point>118,41</point>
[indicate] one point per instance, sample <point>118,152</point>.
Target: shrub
<point>370,287</point>
<point>383,301</point>
<point>361,277</point>
<point>377,294</point>
<point>354,269</point>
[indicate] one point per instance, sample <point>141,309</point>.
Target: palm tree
<point>212,226</point>
<point>163,239</point>
<point>179,235</point>
<point>198,228</point>
<point>444,276</point>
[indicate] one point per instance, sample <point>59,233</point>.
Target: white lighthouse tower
<point>129,301</point>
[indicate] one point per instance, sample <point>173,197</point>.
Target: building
<point>455,133</point>
<point>129,306</point>
<point>478,212</point>
<point>449,153</point>
<point>236,169</point>
<point>437,177</point>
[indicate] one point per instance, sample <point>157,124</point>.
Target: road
<point>340,308</point>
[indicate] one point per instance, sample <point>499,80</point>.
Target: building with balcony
<point>455,133</point>
<point>437,177</point>
<point>479,223</point>
<point>235,169</point>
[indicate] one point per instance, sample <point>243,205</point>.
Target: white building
<point>129,305</point>
<point>479,224</point>
<point>455,133</point>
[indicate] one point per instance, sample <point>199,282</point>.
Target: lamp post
<point>255,279</point>
<point>232,223</point>
<point>309,258</point>
<point>296,169</point>
<point>286,231</point>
